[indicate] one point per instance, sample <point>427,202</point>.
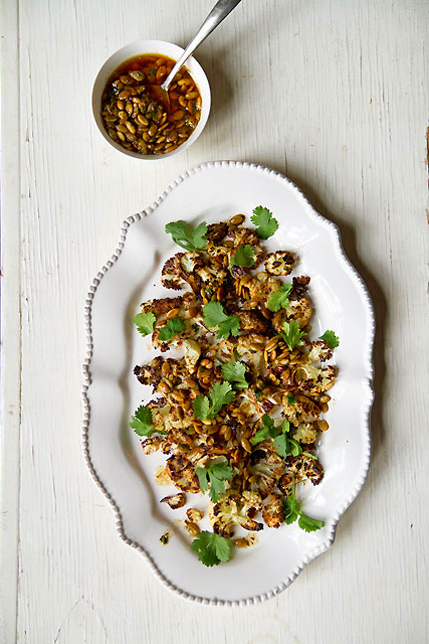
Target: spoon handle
<point>220,11</point>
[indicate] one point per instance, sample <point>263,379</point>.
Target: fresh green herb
<point>220,394</point>
<point>235,372</point>
<point>215,472</point>
<point>291,399</point>
<point>268,430</point>
<point>165,538</point>
<point>310,456</point>
<point>141,422</point>
<point>214,316</point>
<point>308,524</point>
<point>172,328</point>
<point>265,222</point>
<point>152,72</point>
<point>243,256</point>
<point>292,334</point>
<point>186,236</point>
<point>331,339</point>
<point>212,549</point>
<point>279,299</point>
<point>292,509</point>
<point>145,323</point>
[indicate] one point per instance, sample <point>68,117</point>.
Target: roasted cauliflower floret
<point>319,351</point>
<point>253,322</point>
<point>304,467</point>
<point>266,468</point>
<point>298,408</point>
<point>279,263</point>
<point>305,433</point>
<point>233,509</point>
<point>182,472</point>
<point>273,512</point>
<point>175,501</point>
<point>314,380</point>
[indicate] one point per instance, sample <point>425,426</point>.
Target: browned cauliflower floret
<point>175,501</point>
<point>273,513</point>
<point>253,322</point>
<point>266,468</point>
<point>182,472</point>
<point>319,351</point>
<point>216,232</point>
<point>298,408</point>
<point>314,380</point>
<point>163,307</point>
<point>235,509</point>
<point>178,271</point>
<point>305,433</point>
<point>279,263</point>
<point>256,291</point>
<point>304,467</point>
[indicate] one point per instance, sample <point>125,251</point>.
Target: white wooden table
<point>333,94</point>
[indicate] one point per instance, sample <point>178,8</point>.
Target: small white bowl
<point>151,47</point>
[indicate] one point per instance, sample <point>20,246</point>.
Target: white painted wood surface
<point>335,96</point>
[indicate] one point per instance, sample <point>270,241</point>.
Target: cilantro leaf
<point>145,323</point>
<point>294,447</point>
<point>186,236</point>
<point>220,394</point>
<point>172,328</point>
<point>243,256</point>
<point>308,524</point>
<point>215,316</point>
<point>268,430</point>
<point>141,422</point>
<point>212,549</point>
<point>217,472</point>
<point>235,372</point>
<point>265,222</point>
<point>201,407</point>
<point>281,444</point>
<point>292,508</point>
<point>331,339</point>
<point>279,299</point>
<point>292,334</point>
<point>291,399</point>
<point>313,456</point>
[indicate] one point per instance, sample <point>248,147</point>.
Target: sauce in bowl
<point>134,117</point>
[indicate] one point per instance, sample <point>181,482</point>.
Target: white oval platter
<point>212,192</point>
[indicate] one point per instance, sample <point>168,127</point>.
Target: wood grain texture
<point>335,96</point>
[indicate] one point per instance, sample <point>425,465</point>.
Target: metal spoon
<point>220,11</point>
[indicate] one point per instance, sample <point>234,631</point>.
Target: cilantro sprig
<point>292,510</point>
<point>186,236</point>
<point>172,328</point>
<point>212,549</point>
<point>279,299</point>
<point>268,430</point>
<point>331,339</point>
<point>141,422</point>
<point>145,323</point>
<point>235,372</point>
<point>264,221</point>
<point>292,334</point>
<point>220,394</point>
<point>216,472</point>
<point>282,442</point>
<point>243,256</point>
<point>215,316</point>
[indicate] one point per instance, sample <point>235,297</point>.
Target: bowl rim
<point>163,47</point>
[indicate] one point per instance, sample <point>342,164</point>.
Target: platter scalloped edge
<point>87,381</point>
